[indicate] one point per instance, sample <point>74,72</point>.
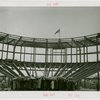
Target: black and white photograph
<point>50,49</point>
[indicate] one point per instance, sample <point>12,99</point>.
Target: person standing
<point>70,84</point>
<point>3,84</point>
<point>52,84</point>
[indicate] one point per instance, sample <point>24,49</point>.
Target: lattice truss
<point>77,57</point>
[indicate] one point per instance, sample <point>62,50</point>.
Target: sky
<point>43,22</point>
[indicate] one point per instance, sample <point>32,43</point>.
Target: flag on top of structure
<point>58,31</point>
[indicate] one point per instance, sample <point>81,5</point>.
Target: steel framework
<point>77,57</point>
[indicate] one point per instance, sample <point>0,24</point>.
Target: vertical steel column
<point>52,55</point>
<point>34,54</point>
<point>2,50</point>
<point>76,56</point>
<point>80,53</point>
<point>14,52</point>
<point>84,83</point>
<point>7,49</point>
<point>98,84</point>
<point>79,62</point>
<point>20,53</point>
<point>85,49</point>
<point>20,56</point>
<point>51,61</point>
<point>71,55</point>
<point>61,56</point>
<point>20,67</point>
<point>84,53</point>
<point>24,54</point>
<point>46,58</point>
<point>55,55</point>
<point>84,62</point>
<point>87,53</point>
<point>15,44</point>
<point>31,56</point>
<point>30,62</point>
<point>71,58</point>
<point>65,55</point>
<point>46,55</point>
<point>24,65</point>
<point>65,59</point>
<point>34,59</point>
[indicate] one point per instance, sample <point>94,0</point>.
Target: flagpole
<point>59,34</point>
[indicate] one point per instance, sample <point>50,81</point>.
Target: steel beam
<point>80,69</point>
<point>58,70</point>
<point>90,41</point>
<point>73,67</point>
<point>73,41</point>
<point>61,71</point>
<point>3,38</point>
<point>85,70</point>
<point>86,74</point>
<point>3,71</point>
<point>18,41</point>
<point>26,70</point>
<point>77,66</point>
<point>16,67</point>
<point>10,70</point>
<point>10,41</point>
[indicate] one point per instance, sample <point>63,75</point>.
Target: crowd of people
<point>57,84</point>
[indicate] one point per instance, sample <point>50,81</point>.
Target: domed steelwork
<point>77,57</point>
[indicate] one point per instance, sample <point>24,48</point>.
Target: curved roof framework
<point>73,56</point>
<point>90,40</point>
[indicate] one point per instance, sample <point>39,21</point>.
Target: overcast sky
<point>43,22</point>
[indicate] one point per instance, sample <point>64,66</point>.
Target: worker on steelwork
<point>42,83</point>
<point>3,84</point>
<point>64,84</point>
<point>39,83</point>
<point>70,84</point>
<point>56,84</point>
<point>53,81</point>
<point>97,86</point>
<point>52,84</point>
<point>60,83</point>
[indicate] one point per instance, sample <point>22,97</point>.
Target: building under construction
<point>49,64</point>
